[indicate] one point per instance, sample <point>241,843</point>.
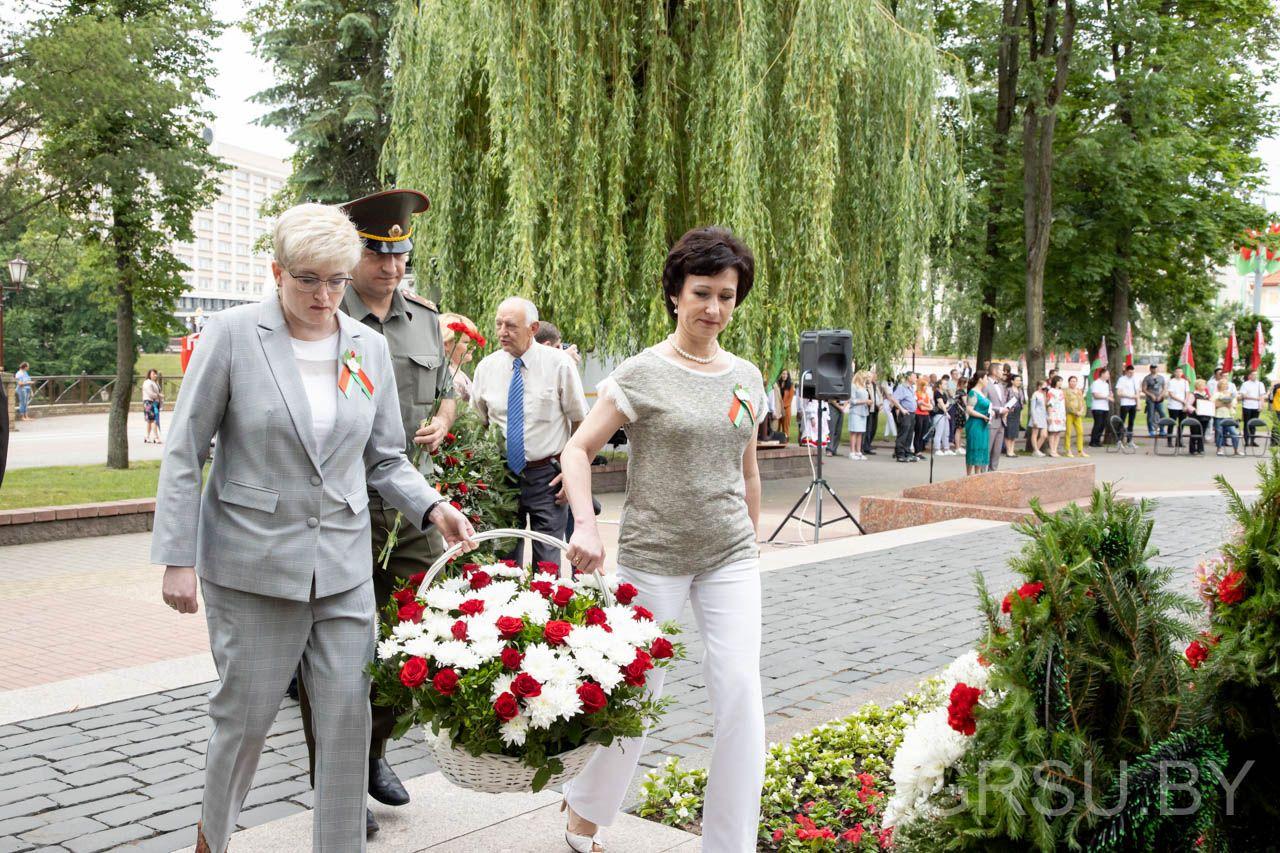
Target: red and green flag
<point>1099,360</point>
<point>1187,361</point>
<point>1233,353</point>
<point>1128,345</point>
<point>1259,346</point>
<point>1255,254</point>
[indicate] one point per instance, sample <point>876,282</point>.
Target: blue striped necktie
<point>515,419</point>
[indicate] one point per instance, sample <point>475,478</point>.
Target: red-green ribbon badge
<point>351,367</point>
<point>741,411</point>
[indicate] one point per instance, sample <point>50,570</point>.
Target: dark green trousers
<point>415,552</point>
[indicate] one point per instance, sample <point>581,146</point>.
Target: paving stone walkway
<point>128,775</point>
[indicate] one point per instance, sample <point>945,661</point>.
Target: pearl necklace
<point>691,356</point>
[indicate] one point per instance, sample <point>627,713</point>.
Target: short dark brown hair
<point>708,250</point>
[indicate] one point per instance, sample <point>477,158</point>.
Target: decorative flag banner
<point>1254,255</point>
<point>1187,361</point>
<point>1100,360</point>
<point>1128,345</point>
<point>741,411</point>
<point>1233,353</point>
<point>351,368</point>
<point>1259,345</point>
<point>188,347</point>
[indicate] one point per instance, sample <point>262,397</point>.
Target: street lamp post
<point>17,275</point>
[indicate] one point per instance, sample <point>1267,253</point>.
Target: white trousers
<point>726,605</point>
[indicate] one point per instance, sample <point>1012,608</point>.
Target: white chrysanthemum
<point>929,747</point>
<point>513,731</point>
<point>456,653</point>
<point>389,648</point>
<point>502,684</point>
<point>588,637</point>
<point>532,607</point>
<point>408,630</point>
<point>457,584</point>
<point>619,648</point>
<point>502,570</point>
<point>421,647</point>
<point>540,661</point>
<point>487,649</point>
<point>497,593</point>
<point>565,669</point>
<point>598,668</point>
<point>438,625</point>
<point>556,701</point>
<point>443,598</point>
<point>965,670</point>
<point>482,627</point>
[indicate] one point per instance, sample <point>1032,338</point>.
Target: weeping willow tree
<point>566,145</point>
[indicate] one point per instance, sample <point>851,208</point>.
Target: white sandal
<point>579,843</point>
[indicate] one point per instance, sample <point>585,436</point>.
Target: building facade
<point>225,270</point>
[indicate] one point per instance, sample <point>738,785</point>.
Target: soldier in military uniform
<point>412,329</point>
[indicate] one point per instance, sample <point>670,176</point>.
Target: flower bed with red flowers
<point>528,666</point>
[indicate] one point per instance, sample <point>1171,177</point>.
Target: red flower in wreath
<point>595,616</point>
<point>446,681</point>
<point>661,648</point>
<point>626,592</point>
<point>546,566</point>
<point>509,627</point>
<point>562,597</point>
<point>543,588</point>
<point>471,607</point>
<point>1231,588</point>
<point>506,707</point>
<point>593,698</point>
<point>642,613</point>
<point>404,596</point>
<point>1197,653</point>
<point>526,686</point>
<point>459,630</point>
<point>416,579</point>
<point>633,673</point>
<point>1027,590</point>
<point>510,564</point>
<point>960,708</point>
<point>555,632</point>
<point>413,672</point>
<point>479,579</point>
<point>511,658</point>
<point>411,612</point>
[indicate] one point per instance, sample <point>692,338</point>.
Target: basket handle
<point>566,571</point>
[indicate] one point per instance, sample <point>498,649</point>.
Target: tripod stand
<point>820,484</point>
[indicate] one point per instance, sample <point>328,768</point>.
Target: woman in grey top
<point>688,528</point>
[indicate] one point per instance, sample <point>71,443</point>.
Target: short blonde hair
<point>448,334</point>
<point>316,234</point>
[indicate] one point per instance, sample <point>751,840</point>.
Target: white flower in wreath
<point>456,653</point>
<point>502,684</point>
<point>403,631</point>
<point>531,607</point>
<point>556,701</point>
<point>966,670</point>
<point>598,668</point>
<point>389,648</point>
<point>438,626</point>
<point>540,661</point>
<point>443,598</point>
<point>929,747</point>
<point>514,731</point>
<point>488,648</point>
<point>421,647</point>
<point>593,637</point>
<point>565,669</point>
<point>497,593</point>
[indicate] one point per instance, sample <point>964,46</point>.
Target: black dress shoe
<point>292,690</point>
<point>384,785</point>
<point>370,825</point>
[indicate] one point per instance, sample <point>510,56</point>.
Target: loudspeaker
<point>826,364</point>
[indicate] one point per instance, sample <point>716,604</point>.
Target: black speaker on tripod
<point>826,364</point>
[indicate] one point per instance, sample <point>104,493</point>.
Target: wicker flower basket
<point>489,772</point>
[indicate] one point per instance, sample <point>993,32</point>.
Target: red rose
<point>625,593</point>
<point>479,579</point>
<point>413,672</point>
<point>593,698</point>
<point>459,630</point>
<point>596,616</point>
<point>506,707</point>
<point>543,588</point>
<point>404,596</point>
<point>469,454</point>
<point>1197,653</point>
<point>446,681</point>
<point>471,607</point>
<point>562,596</point>
<point>450,437</point>
<point>556,631</point>
<point>451,461</point>
<point>633,673</point>
<point>1031,590</point>
<point>468,568</point>
<point>1231,588</point>
<point>511,658</point>
<point>642,613</point>
<point>510,626</point>
<point>481,486</point>
<point>411,612</point>
<point>548,567</point>
<point>455,505</point>
<point>416,579</point>
<point>960,708</point>
<point>526,686</point>
<point>662,648</point>
<point>462,488</point>
<point>510,564</point>
<point>1006,606</point>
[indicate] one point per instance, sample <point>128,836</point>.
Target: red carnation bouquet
<point>501,662</point>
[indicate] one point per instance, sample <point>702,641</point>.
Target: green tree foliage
<point>565,146</point>
<point>1239,684</point>
<point>118,84</point>
<point>1088,673</point>
<point>332,92</point>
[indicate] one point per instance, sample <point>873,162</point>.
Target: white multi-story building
<point>224,268</point>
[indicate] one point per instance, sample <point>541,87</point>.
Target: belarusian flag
<point>1128,345</point>
<point>1187,361</point>
<point>1233,353</point>
<point>1255,360</point>
<point>1100,360</point>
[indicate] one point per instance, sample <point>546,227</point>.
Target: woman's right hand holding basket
<point>586,551</point>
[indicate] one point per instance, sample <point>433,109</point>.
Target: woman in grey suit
<point>303,402</point>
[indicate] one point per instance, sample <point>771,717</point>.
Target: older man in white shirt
<point>1252,393</point>
<point>534,395</point>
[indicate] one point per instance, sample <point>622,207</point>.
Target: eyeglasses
<point>310,283</point>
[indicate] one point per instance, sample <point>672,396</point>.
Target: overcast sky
<point>241,75</point>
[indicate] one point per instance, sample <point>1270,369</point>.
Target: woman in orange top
<point>787,394</point>
<point>924,412</point>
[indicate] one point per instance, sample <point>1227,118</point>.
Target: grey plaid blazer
<point>278,510</point>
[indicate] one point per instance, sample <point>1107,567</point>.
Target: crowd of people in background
<point>984,413</point>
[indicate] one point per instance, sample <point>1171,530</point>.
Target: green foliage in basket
<point>819,788</point>
<point>529,667</point>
